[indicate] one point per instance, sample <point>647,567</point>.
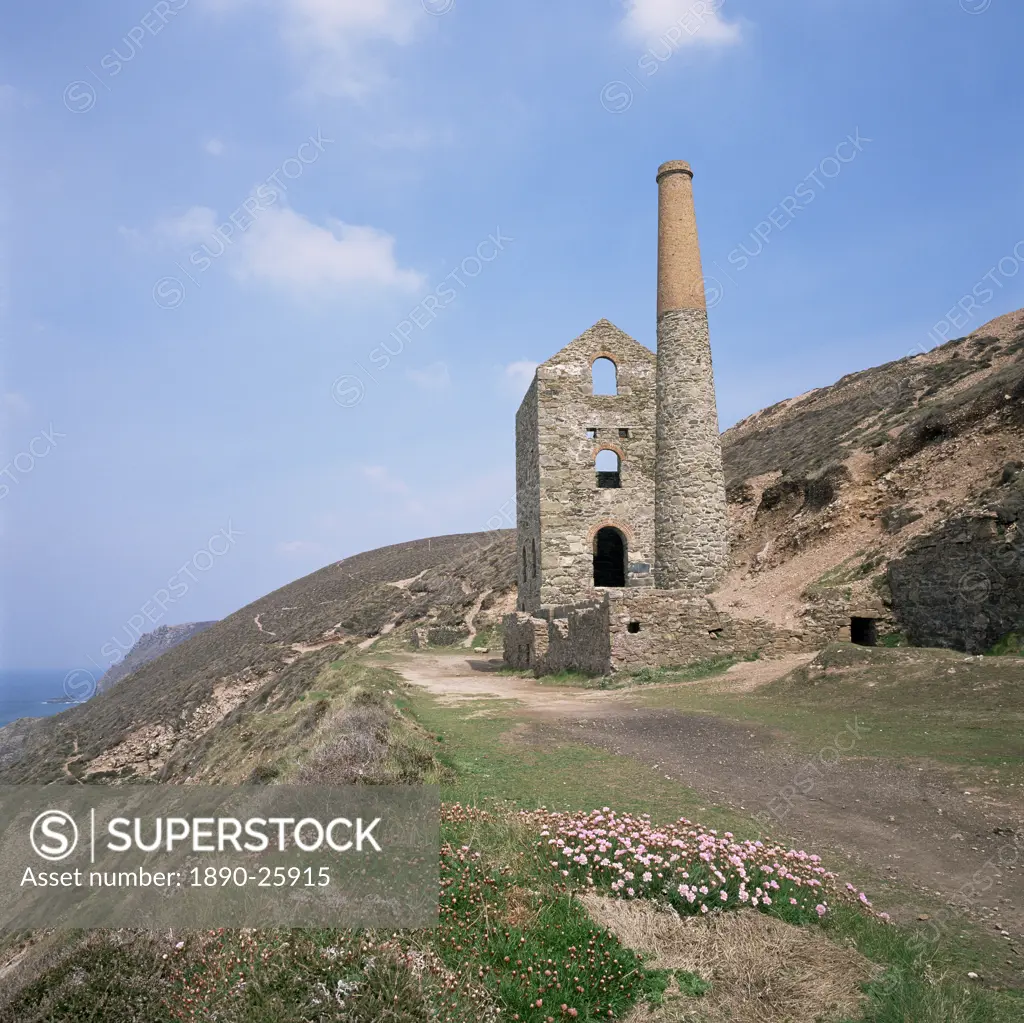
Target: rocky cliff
<point>896,487</point>
<point>148,647</point>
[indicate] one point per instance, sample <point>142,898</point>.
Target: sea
<point>23,693</point>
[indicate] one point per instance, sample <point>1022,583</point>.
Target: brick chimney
<point>691,545</point>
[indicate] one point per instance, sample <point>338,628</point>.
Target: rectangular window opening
<point>633,627</point>
<point>592,432</point>
<point>623,431</point>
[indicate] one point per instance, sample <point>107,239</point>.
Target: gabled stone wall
<point>571,505</point>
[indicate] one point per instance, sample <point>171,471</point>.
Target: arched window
<point>534,560</point>
<point>525,577</point>
<point>606,470</point>
<point>609,557</point>
<point>604,376</point>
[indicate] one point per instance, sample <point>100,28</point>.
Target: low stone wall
<point>440,635</point>
<point>827,616</point>
<point>568,638</point>
<point>676,628</point>
<point>634,629</point>
<point>522,635</point>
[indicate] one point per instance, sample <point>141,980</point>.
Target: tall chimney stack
<point>691,545</point>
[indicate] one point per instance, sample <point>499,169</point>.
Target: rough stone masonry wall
<point>676,628</point>
<point>690,508</point>
<point>573,639</point>
<point>528,539</point>
<point>572,507</point>
<point>691,522</point>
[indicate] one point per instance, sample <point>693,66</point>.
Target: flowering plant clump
<point>692,869</point>
<point>544,958</point>
<point>316,976</point>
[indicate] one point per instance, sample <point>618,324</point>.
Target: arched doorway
<point>609,558</point>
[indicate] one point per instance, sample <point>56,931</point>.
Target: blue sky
<point>215,213</point>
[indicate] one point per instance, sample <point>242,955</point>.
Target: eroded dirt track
<point>907,820</point>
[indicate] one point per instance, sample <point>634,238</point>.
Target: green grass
<point>503,914</point>
<point>691,985</point>
<point>693,672</point>
<point>487,767</point>
<point>510,937</point>
<point>534,945</point>
<point>893,640</point>
<point>922,981</point>
<point>1008,645</point>
<point>906,702</point>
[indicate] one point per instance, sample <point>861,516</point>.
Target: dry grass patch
<point>761,970</point>
<point>519,909</point>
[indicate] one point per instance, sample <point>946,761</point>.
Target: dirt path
<point>471,618</point>
<point>910,821</point>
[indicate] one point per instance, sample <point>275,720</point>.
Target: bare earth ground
<point>908,820</point>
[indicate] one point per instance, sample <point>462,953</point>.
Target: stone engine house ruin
<point>622,527</point>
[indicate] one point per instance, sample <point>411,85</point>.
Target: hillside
<point>148,647</point>
<point>266,654</point>
<point>901,482</point>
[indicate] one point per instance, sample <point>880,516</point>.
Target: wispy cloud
<point>683,22</point>
<point>194,225</point>
<point>519,375</point>
<point>336,43</point>
<point>214,147</point>
<point>287,250</point>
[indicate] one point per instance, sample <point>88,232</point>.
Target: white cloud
<point>287,250</point>
<point>680,23</point>
<point>284,248</point>
<point>520,374</point>
<point>434,377</point>
<point>214,147</point>
<point>332,40</point>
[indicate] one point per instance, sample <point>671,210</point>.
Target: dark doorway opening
<point>864,631</point>
<point>609,558</point>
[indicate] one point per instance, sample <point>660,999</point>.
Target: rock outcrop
<point>148,647</point>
